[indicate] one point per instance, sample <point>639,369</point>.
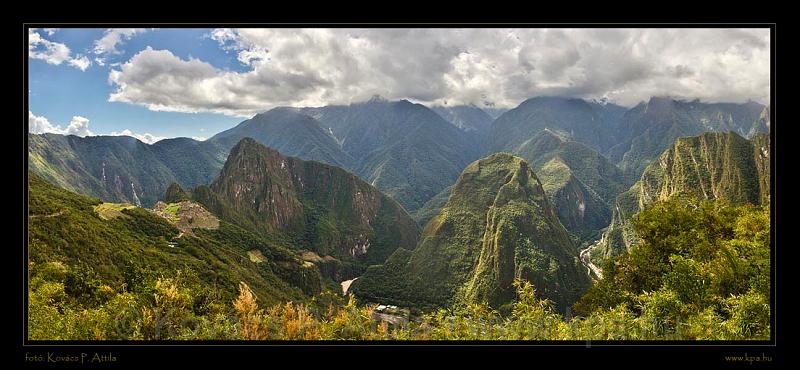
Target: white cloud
<point>199,138</point>
<point>53,52</point>
<point>114,37</point>
<point>78,126</point>
<point>40,125</point>
<point>50,31</point>
<point>80,62</point>
<point>145,138</point>
<point>311,67</point>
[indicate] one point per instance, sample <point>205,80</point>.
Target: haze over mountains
<point>585,152</point>
<point>400,183</point>
<point>426,207</point>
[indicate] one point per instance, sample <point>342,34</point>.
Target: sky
<point>159,83</point>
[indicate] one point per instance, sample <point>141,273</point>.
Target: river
<point>587,261</point>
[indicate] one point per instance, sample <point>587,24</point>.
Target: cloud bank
<point>78,126</point>
<point>487,67</point>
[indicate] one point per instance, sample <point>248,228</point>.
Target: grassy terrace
<point>108,211</point>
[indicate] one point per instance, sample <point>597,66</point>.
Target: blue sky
<point>156,83</point>
<point>59,92</point>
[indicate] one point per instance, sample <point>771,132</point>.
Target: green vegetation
<point>645,131</point>
<point>122,169</point>
<point>496,225</point>
<point>172,210</point>
<point>578,180</point>
<point>589,123</point>
<point>289,132</point>
<point>259,253</point>
<point>307,205</point>
<point>168,313</point>
<point>713,165</point>
<point>579,208</point>
<point>432,207</point>
<point>109,211</point>
<point>81,264</point>
<point>405,150</point>
<point>701,270</point>
<point>175,194</point>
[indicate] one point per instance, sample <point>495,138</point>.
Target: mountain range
<point>406,150</point>
<point>428,207</point>
<point>497,225</point>
<point>122,168</point>
<point>715,166</point>
<point>125,248</point>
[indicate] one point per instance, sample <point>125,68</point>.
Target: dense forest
<point>702,271</point>
<point>560,219</point>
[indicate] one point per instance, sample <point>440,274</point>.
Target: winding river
<point>596,273</point>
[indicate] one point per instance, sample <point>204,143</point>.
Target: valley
<point>586,258</point>
<point>349,209</point>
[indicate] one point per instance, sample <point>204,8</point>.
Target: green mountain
<point>468,118</point>
<point>432,207</point>
<point>289,132</point>
<point>648,129</point>
<point>308,206</point>
<point>580,182</point>
<point>496,225</point>
<point>712,166</point>
<point>406,150</point>
<point>122,168</point>
<point>96,249</point>
<point>192,162</point>
<point>591,123</point>
<point>587,165</point>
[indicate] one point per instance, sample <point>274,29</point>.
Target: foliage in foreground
<point>702,270</point>
<point>700,273</point>
<point>169,315</point>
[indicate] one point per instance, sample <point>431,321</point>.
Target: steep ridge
<point>307,205</point>
<point>121,168</point>
<point>406,150</point>
<point>648,129</point>
<point>289,132</point>
<point>580,182</point>
<point>721,166</point>
<point>133,249</point>
<point>468,118</point>
<point>590,123</point>
<point>496,225</point>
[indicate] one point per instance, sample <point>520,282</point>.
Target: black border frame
<point>129,350</point>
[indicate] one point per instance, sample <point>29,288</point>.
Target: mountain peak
<point>269,192</point>
<point>377,98</point>
<point>474,248</point>
<point>175,193</point>
<point>664,99</point>
<point>246,143</point>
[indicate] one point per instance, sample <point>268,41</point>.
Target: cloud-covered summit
<point>486,67</point>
